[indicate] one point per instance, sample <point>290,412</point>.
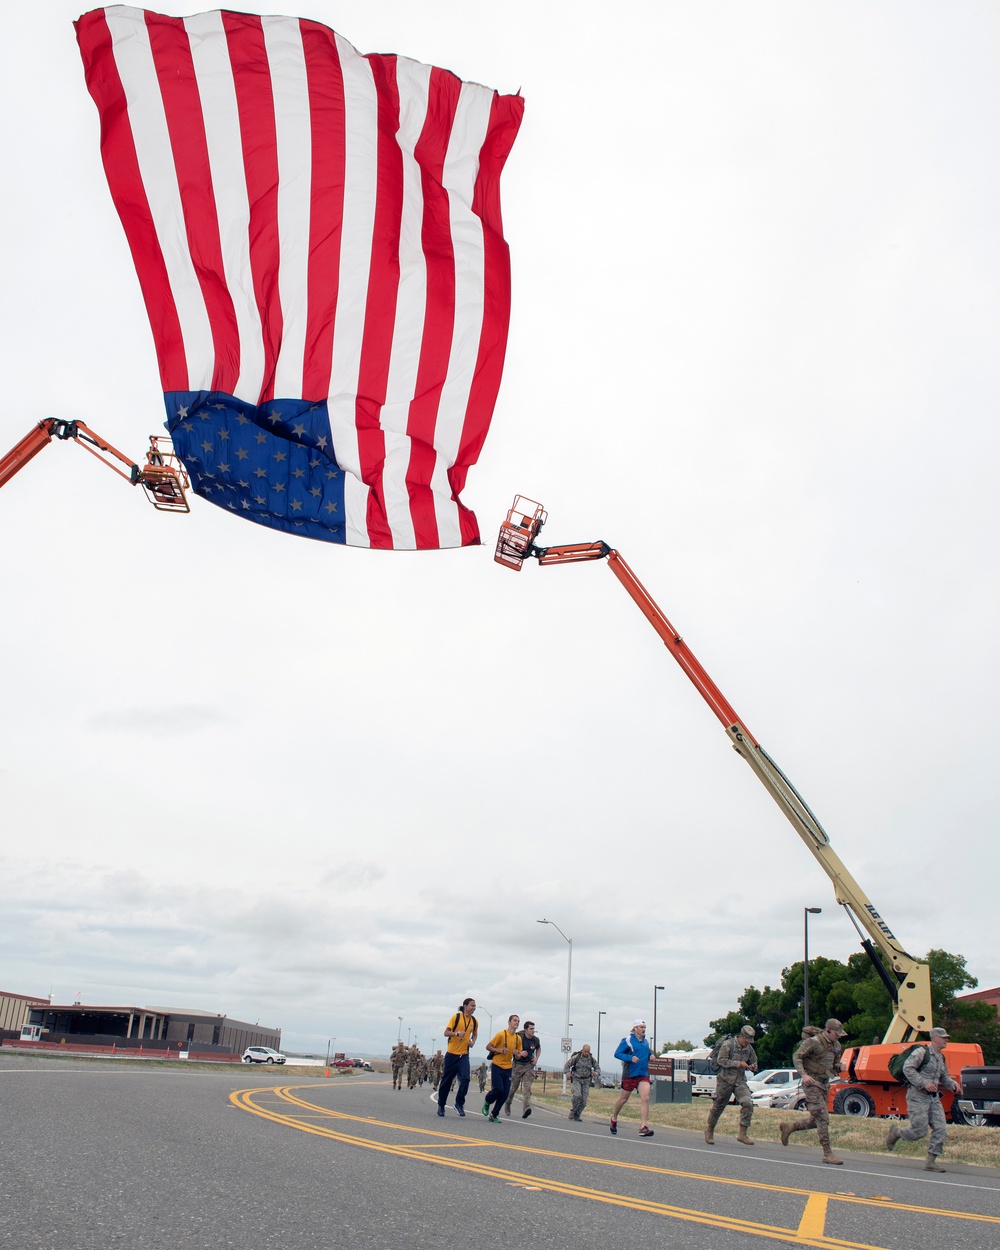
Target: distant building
<point>132,1027</point>
<point>983,996</point>
<point>15,1010</point>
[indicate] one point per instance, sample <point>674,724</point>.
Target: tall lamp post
<point>399,1035</point>
<point>599,1014</point>
<point>806,913</point>
<point>656,990</point>
<point>569,984</point>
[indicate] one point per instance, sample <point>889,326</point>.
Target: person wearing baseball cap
<point>735,1057</point>
<point>926,1072</point>
<point>633,1053</point>
<point>817,1061</point>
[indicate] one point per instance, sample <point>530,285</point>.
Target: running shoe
<point>614,1128</point>
<point>645,1131</point>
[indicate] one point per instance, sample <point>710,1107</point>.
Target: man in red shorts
<point>633,1051</point>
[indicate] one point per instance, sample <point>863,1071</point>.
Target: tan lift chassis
<point>908,982</point>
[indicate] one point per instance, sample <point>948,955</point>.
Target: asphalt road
<point>97,1155</point>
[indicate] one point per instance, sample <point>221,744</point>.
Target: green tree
<point>683,1044</point>
<point>854,994</point>
<point>965,1022</point>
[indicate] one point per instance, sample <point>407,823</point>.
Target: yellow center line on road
<point>808,1233</point>
<point>813,1220</point>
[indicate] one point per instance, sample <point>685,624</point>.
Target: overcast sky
<point>753,346</point>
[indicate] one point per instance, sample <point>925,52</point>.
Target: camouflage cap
<point>747,1031</point>
<point>939,1033</point>
<point>836,1027</point>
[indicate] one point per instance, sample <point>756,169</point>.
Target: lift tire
<point>854,1101</point>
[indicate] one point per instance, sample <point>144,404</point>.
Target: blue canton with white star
<point>273,464</point>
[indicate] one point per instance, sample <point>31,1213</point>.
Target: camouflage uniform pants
<point>397,1075</point>
<point>724,1090</point>
<point>581,1092</point>
<point>522,1078</point>
<point>925,1112</point>
<point>819,1115</point>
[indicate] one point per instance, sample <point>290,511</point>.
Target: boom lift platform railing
<point>163,476</point>
<point>907,979</point>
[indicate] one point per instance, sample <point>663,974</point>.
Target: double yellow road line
<point>295,1112</point>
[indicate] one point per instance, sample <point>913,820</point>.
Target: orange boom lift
<point>163,476</point>
<point>868,1088</point>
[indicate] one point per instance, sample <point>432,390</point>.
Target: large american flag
<point>318,239</point>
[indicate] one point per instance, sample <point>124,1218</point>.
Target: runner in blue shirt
<point>634,1052</point>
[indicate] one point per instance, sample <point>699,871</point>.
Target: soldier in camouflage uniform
<point>737,1057</point>
<point>581,1067</point>
<point>817,1061</point>
<point>481,1073</point>
<point>398,1060</point>
<point>925,1071</point>
<point>436,1067</point>
<point>413,1058</point>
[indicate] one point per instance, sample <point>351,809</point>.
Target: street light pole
<point>656,989</point>
<point>599,1014</point>
<point>569,984</point>
<point>806,912</point>
<point>399,1035</point>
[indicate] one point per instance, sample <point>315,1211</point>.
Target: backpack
<point>896,1061</point>
<point>713,1054</point>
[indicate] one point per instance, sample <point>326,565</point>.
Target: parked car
<point>262,1054</point>
<point>343,1063</point>
<point>362,1063</point>
<point>780,1094</point>
<point>608,1080</point>
<point>771,1076</point>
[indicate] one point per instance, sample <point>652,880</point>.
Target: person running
<point>581,1067</point>
<point>737,1057</point>
<point>461,1031</point>
<point>633,1051</point>
<point>503,1049</point>
<point>926,1072</point>
<point>817,1061</point>
<point>523,1073</point>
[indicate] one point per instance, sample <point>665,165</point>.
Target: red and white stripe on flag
<point>310,223</point>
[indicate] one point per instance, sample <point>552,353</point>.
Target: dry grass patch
<point>978,1146</point>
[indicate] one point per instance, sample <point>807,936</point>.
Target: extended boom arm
<point>163,476</point>
<point>908,982</point>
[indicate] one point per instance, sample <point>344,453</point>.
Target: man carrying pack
<point>524,1071</point>
<point>925,1072</point>
<point>735,1057</point>
<point>633,1053</point>
<point>398,1064</point>
<point>817,1061</point>
<point>461,1031</point>
<point>581,1067</point>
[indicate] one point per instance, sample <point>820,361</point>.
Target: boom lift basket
<point>163,476</point>
<point>518,532</point>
